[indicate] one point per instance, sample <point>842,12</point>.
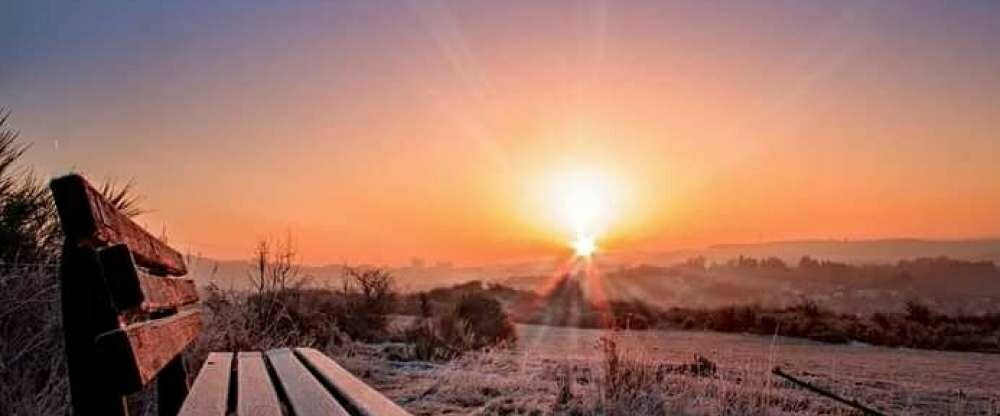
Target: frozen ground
<point>523,380</point>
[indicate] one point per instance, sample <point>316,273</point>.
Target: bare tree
<point>273,272</point>
<point>373,288</point>
<point>275,266</point>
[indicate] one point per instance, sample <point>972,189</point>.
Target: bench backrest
<point>122,302</point>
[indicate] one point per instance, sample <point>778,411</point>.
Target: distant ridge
<point>233,273</point>
<point>873,251</point>
<point>864,251</point>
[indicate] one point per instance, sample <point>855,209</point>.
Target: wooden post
<point>87,312</point>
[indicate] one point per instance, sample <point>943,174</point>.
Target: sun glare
<point>585,245</point>
<point>583,198</point>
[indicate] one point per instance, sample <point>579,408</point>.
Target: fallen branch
<point>826,393</point>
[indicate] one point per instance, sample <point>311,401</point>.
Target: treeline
<point>953,275</point>
<point>949,285</point>
<point>915,325</point>
<point>918,327</point>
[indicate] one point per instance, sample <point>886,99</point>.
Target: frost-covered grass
<point>565,371</point>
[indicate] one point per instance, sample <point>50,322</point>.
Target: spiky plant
<point>29,232</point>
<point>29,228</point>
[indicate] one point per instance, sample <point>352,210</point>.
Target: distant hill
<point>855,252</point>
<point>653,277</point>
<point>947,284</point>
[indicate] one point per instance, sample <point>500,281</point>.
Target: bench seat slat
<point>255,394</point>
<point>305,394</point>
<point>360,396</point>
<point>210,393</point>
<point>136,353</point>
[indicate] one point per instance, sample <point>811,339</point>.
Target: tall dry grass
<point>32,362</point>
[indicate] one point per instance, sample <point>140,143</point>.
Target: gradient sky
<point>376,131</point>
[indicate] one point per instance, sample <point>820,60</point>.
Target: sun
<point>583,200</point>
<point>585,245</point>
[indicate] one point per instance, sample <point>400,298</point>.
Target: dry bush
<point>437,339</point>
<point>278,311</point>
<point>478,321</point>
<point>251,321</point>
<point>918,311</point>
<point>32,362</point>
<point>486,319</point>
<point>369,296</point>
<point>630,385</point>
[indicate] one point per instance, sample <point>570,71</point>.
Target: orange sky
<point>382,132</point>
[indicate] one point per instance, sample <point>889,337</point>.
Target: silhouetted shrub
<point>882,320</point>
<point>809,308</point>
<point>918,312</point>
<point>477,321</point>
<point>369,295</point>
<point>438,339</point>
<point>486,319</point>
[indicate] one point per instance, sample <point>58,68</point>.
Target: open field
<point>525,379</point>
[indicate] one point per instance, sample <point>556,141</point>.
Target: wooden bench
<point>128,316</point>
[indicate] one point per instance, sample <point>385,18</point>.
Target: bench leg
<point>87,312</point>
<point>172,387</point>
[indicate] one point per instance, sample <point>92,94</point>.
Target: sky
<point>460,131</point>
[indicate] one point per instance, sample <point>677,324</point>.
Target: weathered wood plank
<point>89,219</point>
<point>210,393</point>
<point>135,354</point>
<point>352,392</point>
<point>132,288</point>
<point>166,292</point>
<point>255,394</point>
<point>306,395</point>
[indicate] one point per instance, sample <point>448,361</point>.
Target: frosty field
<point>531,377</point>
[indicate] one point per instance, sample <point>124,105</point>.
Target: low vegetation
<point>476,322</point>
<point>915,325</point>
<point>623,381</point>
<point>918,327</point>
<point>32,363</point>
